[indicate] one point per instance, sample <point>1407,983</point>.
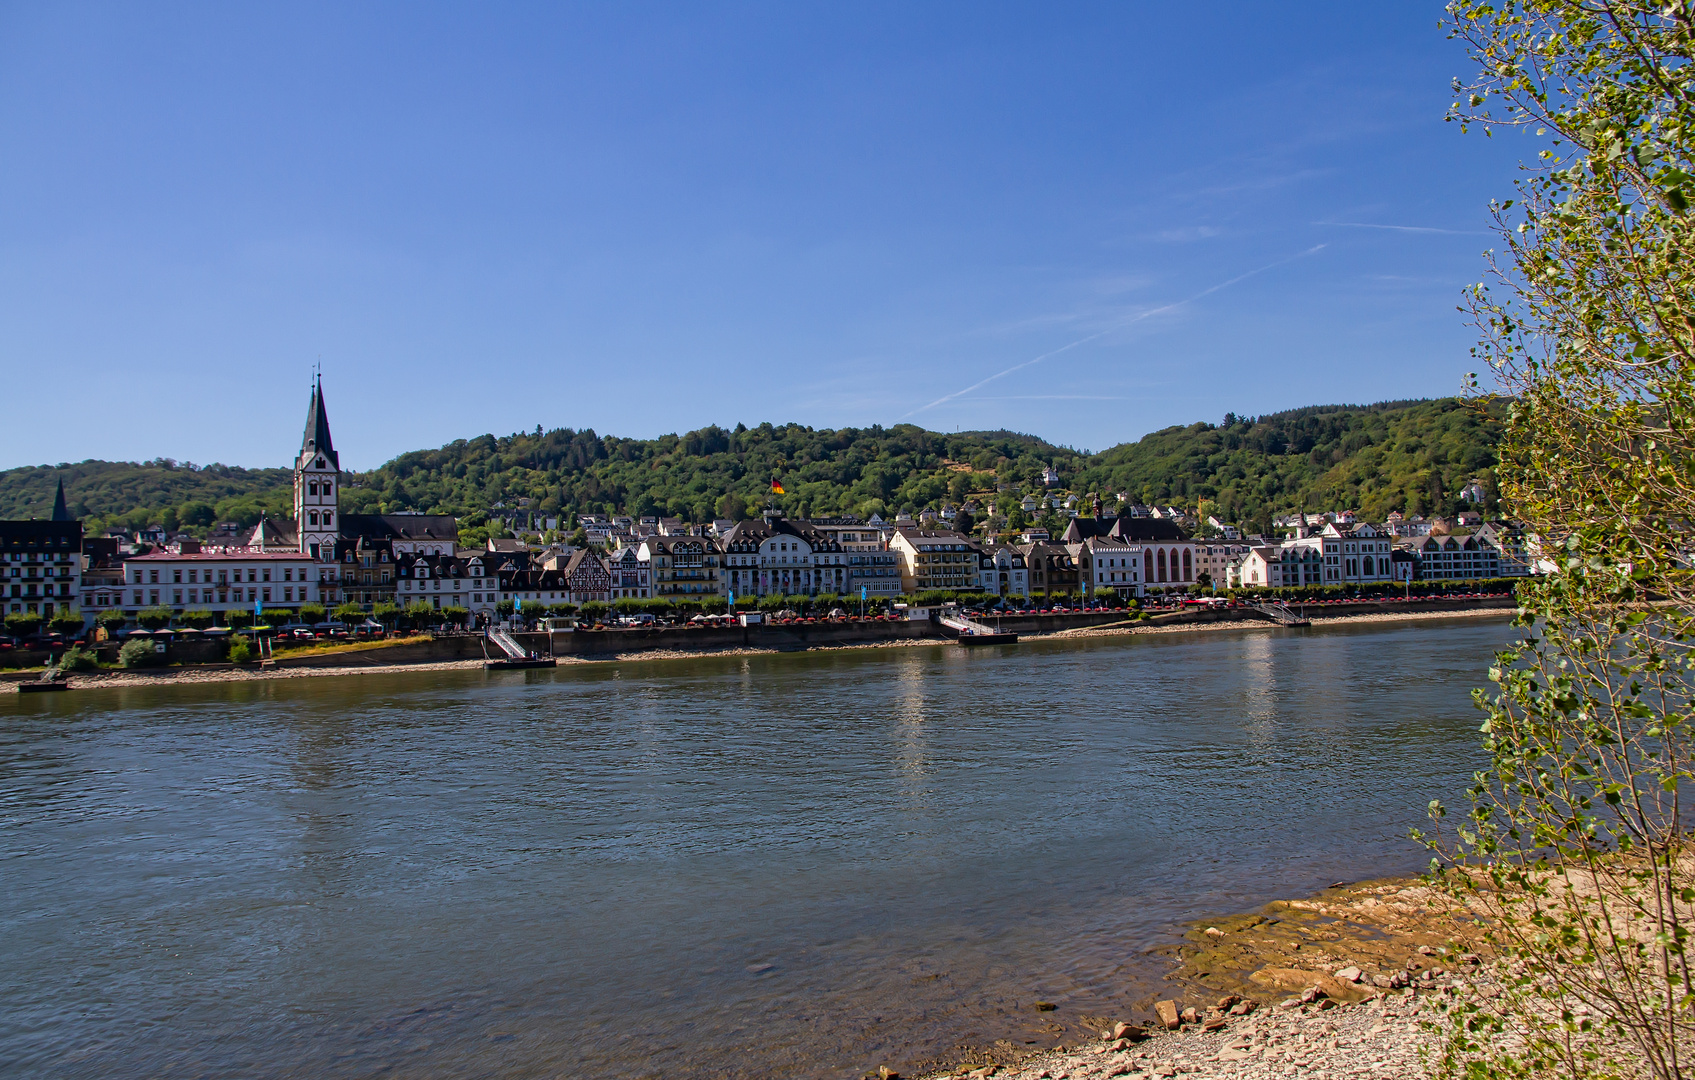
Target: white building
<point>219,582</point>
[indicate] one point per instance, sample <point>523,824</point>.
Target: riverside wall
<point>780,638</point>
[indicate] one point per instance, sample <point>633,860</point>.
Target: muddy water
<point>801,865</point>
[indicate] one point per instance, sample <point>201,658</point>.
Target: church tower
<point>317,482</point>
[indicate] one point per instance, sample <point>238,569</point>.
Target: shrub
<point>350,613</point>
<point>139,654</point>
<point>23,624</point>
<point>241,650</point>
<point>77,658</point>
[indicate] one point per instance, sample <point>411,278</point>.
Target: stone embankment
<point>1338,985</point>
<point>669,642</point>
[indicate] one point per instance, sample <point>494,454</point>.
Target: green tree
<point>313,613</point>
<point>349,613</point>
<point>419,614</point>
<point>200,618</point>
<point>154,618</point>
<point>66,621</point>
<point>455,615</point>
<point>388,613</point>
<point>111,620</point>
<point>1575,850</point>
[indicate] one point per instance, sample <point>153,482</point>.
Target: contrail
<point>1404,228</point>
<point>1115,326</point>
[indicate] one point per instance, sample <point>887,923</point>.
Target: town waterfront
<point>796,865</point>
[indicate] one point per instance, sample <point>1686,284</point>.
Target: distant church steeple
<point>317,482</point>
<point>60,513</point>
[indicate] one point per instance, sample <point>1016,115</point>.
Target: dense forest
<point>1409,455</point>
<point>1412,456</point>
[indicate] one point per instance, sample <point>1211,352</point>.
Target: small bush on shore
<point>241,649</point>
<point>139,654</point>
<point>77,658</point>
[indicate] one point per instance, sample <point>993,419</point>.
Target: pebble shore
<point>1381,1037</point>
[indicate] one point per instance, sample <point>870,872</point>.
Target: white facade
<point>1107,564</point>
<point>215,582</point>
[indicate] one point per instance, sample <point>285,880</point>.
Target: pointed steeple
<point>59,511</point>
<point>317,439</point>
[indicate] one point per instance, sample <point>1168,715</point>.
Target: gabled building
<point>683,567</point>
<point>932,559</point>
<point>1454,556</point>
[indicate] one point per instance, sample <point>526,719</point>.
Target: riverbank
<point>1338,985</point>
<point>369,662</point>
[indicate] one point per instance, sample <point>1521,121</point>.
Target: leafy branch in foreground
<point>1575,849</point>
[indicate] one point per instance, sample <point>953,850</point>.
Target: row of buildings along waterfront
<point>322,556</point>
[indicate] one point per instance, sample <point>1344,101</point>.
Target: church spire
<point>60,513</point>
<point>317,438</point>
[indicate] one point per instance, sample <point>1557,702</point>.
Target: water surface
<point>797,865</point>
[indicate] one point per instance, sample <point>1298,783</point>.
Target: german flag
<point>777,487</point>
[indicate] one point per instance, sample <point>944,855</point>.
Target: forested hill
<point>1395,455</point>
<point>1412,456</point>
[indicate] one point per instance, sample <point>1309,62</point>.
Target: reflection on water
<point>742,866</point>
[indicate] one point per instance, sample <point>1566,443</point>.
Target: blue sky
<point>646,218</point>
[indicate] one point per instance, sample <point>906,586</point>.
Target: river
<point>786,865</point>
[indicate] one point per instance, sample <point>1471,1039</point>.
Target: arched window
<point>1368,566</point>
<point>312,488</point>
<point>312,517</point>
<point>1147,566</point>
<point>326,518</point>
<point>1160,562</point>
<point>1188,566</point>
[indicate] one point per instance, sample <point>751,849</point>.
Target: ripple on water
<point>736,866</point>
